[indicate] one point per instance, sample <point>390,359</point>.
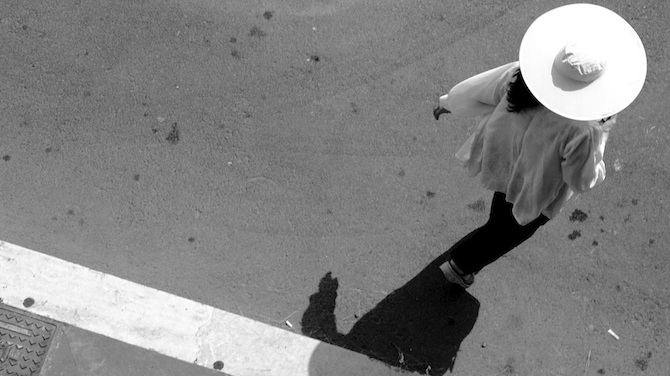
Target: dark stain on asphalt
<point>478,206</point>
<point>28,302</point>
<point>236,54</point>
<point>430,194</point>
<point>48,150</point>
<point>652,241</point>
<point>6,157</point>
<point>509,367</point>
<point>267,15</point>
<point>642,361</point>
<point>595,243</point>
<point>136,177</point>
<point>233,40</point>
<point>191,239</point>
<point>602,217</point>
<point>578,215</point>
<point>315,58</point>
<point>256,32</point>
<point>601,371</point>
<point>574,235</point>
<point>70,212</point>
<point>173,136</point>
<point>634,201</point>
<point>401,173</point>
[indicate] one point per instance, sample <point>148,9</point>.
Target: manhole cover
<point>24,341</point>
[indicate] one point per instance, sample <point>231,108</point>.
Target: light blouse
<point>537,158</point>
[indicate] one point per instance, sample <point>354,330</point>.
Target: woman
<point>545,122</point>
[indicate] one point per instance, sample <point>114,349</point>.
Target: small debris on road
<point>611,332</point>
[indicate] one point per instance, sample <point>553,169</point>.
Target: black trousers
<point>499,235</point>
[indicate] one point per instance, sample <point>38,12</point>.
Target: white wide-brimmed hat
<point>583,61</point>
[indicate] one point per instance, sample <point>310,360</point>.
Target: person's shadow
<point>418,327</point>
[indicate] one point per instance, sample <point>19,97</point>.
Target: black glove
<point>439,110</point>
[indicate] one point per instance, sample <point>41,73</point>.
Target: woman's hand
<point>607,124</point>
<point>439,110</point>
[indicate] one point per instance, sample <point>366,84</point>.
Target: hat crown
<point>580,61</point>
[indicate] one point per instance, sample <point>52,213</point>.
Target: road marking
<point>168,324</point>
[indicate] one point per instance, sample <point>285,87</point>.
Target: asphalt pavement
<point>279,160</point>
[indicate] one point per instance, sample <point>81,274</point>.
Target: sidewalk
<point>66,319</point>
<point>72,351</point>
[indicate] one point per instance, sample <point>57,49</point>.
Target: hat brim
<point>620,82</point>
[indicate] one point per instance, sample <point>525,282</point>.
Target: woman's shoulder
<point>563,122</point>
<point>553,128</point>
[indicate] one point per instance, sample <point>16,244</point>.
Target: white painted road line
<point>168,324</point>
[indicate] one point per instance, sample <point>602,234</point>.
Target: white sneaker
<point>454,277</point>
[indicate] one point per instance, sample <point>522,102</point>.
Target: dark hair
<point>519,98</point>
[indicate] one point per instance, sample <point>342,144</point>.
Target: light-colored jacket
<point>536,157</point>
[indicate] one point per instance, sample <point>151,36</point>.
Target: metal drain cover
<point>24,341</point>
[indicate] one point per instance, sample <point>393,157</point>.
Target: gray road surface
<point>253,154</point>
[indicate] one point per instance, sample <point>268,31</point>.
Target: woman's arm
<point>582,165</point>
<point>478,95</point>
